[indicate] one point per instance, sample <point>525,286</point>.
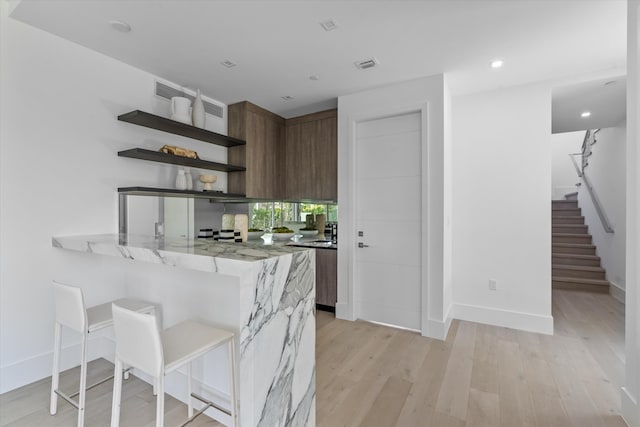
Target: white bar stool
<point>71,312</point>
<point>140,344</point>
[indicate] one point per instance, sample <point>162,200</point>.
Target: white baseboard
<point>505,318</point>
<point>438,329</point>
<point>344,311</point>
<point>617,292</point>
<point>630,409</point>
<point>27,371</point>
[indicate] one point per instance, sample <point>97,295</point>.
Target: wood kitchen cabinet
<point>311,157</point>
<point>262,156</point>
<point>326,277</point>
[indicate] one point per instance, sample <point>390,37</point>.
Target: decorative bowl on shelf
<point>254,235</point>
<point>308,233</point>
<point>282,236</point>
<point>207,180</point>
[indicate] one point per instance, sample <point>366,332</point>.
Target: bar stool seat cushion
<point>189,340</point>
<point>100,316</point>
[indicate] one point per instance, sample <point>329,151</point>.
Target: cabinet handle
<point>362,245</point>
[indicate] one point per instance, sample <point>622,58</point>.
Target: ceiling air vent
<point>367,63</point>
<point>168,92</point>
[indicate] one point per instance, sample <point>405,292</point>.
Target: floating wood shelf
<point>152,121</point>
<point>157,156</point>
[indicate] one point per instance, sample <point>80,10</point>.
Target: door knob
<point>362,245</point>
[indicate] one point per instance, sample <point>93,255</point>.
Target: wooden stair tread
<point>578,267</point>
<point>574,245</point>
<point>567,216</point>
<point>596,282</point>
<point>565,204</point>
<point>569,234</point>
<point>577,256</point>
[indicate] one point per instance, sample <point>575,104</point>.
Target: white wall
<point>401,97</point>
<point>58,175</point>
<point>631,390</point>
<point>501,207</point>
<point>564,176</point>
<point>606,173</point>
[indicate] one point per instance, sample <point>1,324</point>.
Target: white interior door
<point>388,212</point>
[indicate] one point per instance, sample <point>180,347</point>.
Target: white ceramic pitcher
<point>180,109</point>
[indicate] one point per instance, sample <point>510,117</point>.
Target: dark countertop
<point>312,242</point>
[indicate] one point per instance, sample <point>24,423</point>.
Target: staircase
<point>575,264</point>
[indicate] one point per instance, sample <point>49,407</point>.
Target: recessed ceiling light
<point>121,26</point>
<point>585,114</point>
<point>229,64</point>
<point>367,63</point>
<point>329,24</point>
<point>497,63</point>
<point>314,77</point>
<point>288,98</point>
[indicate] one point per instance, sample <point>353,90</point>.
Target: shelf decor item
<point>197,112</point>
<point>241,224</point>
<point>228,221</point>
<point>179,151</point>
<point>180,109</point>
<point>181,180</point>
<point>189,178</point>
<point>320,220</point>
<point>207,180</point>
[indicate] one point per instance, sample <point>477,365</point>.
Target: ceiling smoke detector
<point>229,64</point>
<point>367,63</point>
<point>329,24</point>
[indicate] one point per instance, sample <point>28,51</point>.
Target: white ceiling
<point>604,98</point>
<point>279,44</point>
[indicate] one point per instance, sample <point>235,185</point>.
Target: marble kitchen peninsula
<point>265,293</point>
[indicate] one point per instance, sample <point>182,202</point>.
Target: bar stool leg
<point>55,373</point>
<point>189,390</point>
<point>234,398</point>
<point>83,381</point>
<point>160,402</point>
<point>117,394</point>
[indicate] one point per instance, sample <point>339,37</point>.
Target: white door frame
<point>353,121</point>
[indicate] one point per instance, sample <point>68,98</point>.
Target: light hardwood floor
<point>370,375</point>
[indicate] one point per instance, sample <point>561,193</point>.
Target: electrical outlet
<point>493,285</point>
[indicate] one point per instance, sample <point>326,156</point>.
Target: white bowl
<point>308,233</point>
<point>282,236</point>
<point>254,235</point>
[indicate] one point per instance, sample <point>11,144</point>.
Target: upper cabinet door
<point>264,133</point>
<point>311,148</point>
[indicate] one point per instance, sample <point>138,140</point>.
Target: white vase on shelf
<point>188,178</point>
<point>197,111</point>
<point>181,180</point>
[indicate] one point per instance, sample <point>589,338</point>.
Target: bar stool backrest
<point>70,309</point>
<point>138,340</point>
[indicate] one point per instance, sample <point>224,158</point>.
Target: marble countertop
<point>189,253</point>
